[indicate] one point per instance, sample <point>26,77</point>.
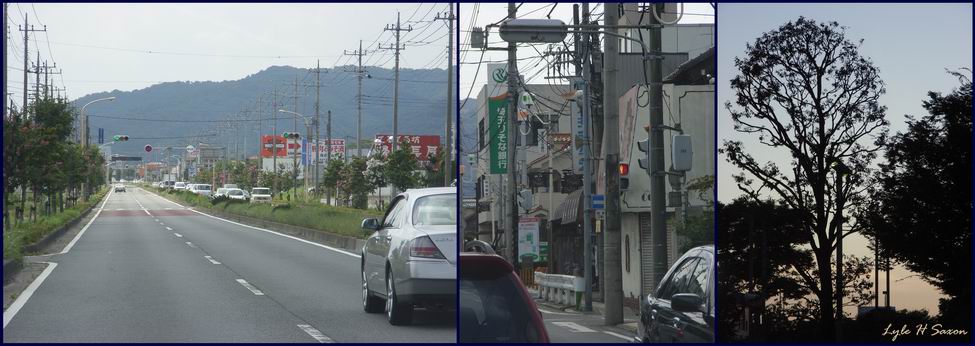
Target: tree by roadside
<point>401,168</point>
<point>803,89</point>
<point>921,206</point>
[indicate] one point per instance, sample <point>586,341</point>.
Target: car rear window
<point>435,210</point>
<point>493,309</point>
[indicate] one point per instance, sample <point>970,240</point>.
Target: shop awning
<point>568,210</point>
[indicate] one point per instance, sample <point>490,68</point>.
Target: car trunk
<point>445,237</point>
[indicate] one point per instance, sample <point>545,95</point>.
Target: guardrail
<point>561,289</point>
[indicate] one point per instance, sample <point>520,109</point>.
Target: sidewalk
<point>630,318</point>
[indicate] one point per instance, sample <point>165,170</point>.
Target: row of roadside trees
<point>43,171</point>
<point>349,182</point>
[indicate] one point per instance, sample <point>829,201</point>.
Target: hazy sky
<point>102,47</point>
<point>488,13</point>
<point>911,44</point>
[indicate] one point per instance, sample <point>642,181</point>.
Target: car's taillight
<point>425,248</point>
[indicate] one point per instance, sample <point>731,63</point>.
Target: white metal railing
<point>561,289</point>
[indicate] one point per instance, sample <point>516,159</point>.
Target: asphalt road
<point>574,327</point>
<point>149,270</point>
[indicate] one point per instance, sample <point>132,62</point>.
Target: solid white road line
<point>621,336</point>
<point>211,260</point>
<point>266,230</point>
<point>250,287</point>
<point>25,295</point>
<point>178,235</point>
<point>169,228</point>
<point>82,232</point>
<point>190,244</point>
<point>322,338</point>
<point>575,327</point>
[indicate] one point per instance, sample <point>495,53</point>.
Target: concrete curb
<point>10,269</point>
<point>346,243</point>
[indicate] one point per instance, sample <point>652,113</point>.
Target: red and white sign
<point>285,148</point>
<point>423,146</point>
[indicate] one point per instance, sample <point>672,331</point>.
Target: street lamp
<point>84,118</point>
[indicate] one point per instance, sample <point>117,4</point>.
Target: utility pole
<point>27,29</point>
<point>328,136</point>
<point>318,142</point>
<point>359,74</point>
<point>612,269</point>
<point>658,211</point>
<point>395,142</point>
<point>274,140</point>
<point>586,114</point>
<point>451,103</point>
<point>511,229</point>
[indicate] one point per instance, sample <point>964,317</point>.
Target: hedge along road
<point>149,270</point>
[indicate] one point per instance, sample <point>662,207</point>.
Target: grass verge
<point>336,220</point>
<point>23,234</point>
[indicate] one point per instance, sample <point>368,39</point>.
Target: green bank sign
<point>498,121</point>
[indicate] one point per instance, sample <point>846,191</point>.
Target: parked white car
<point>201,189</point>
<point>231,186</point>
<point>220,192</point>
<point>260,195</point>
<point>411,257</point>
<point>237,194</point>
<point>179,185</point>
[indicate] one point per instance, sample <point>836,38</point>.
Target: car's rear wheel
<point>397,313</point>
<point>370,303</point>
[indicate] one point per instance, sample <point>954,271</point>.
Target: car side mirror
<point>370,224</point>
<point>686,302</point>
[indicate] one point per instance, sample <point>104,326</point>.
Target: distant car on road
<point>179,185</point>
<point>201,189</point>
<point>237,194</point>
<point>260,195</point>
<point>410,259</point>
<point>119,187</point>
<point>681,309</point>
<point>495,306</point>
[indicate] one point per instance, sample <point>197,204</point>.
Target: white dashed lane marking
<point>575,327</point>
<point>211,260</point>
<point>322,338</point>
<point>250,287</point>
<point>190,244</point>
<point>178,235</point>
<point>169,228</point>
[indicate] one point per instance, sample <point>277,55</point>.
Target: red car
<point>494,304</point>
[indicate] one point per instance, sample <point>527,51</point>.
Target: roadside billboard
<point>423,146</point>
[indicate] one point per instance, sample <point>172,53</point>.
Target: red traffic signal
<point>624,169</point>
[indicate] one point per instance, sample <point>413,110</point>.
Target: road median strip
<point>322,238</point>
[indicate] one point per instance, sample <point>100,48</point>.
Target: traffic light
<point>644,147</point>
<point>120,138</point>
<point>291,135</point>
<point>624,171</point>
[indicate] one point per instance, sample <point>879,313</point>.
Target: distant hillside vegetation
<point>183,105</point>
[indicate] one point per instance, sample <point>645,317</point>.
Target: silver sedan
<point>410,259</point>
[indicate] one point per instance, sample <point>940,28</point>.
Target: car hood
<point>445,237</point>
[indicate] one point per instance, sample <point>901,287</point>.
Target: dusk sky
<point>911,44</point>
